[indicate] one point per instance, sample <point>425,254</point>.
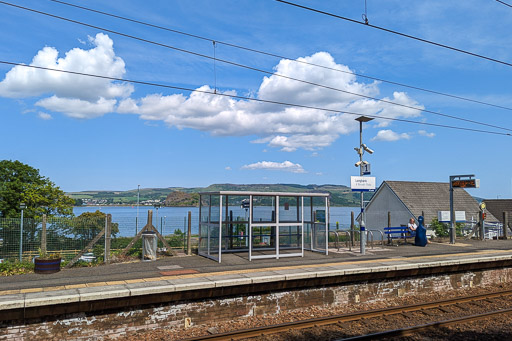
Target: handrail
<point>347,242</point>
<point>371,233</point>
<point>336,240</point>
<point>381,235</point>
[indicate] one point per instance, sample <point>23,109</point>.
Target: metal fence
<point>22,240</point>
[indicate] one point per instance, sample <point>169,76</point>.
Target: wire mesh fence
<point>23,240</point>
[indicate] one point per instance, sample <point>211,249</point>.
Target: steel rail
<point>415,329</point>
<point>321,321</point>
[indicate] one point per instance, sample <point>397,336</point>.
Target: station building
<point>408,199</point>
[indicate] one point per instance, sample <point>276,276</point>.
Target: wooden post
<point>108,236</point>
<point>189,232</point>
<point>389,219</point>
<point>423,215</point>
<point>352,237</point>
<point>43,235</point>
<point>505,225</point>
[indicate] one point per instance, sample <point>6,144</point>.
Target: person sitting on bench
<point>412,225</point>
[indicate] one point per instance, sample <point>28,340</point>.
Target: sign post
<point>461,181</point>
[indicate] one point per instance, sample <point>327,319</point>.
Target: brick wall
<point>113,324</point>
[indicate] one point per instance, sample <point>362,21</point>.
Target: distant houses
<point>407,199</point>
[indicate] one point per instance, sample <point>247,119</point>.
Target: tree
<point>21,183</point>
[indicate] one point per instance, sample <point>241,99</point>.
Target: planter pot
<point>46,266</point>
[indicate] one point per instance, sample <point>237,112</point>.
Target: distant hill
<point>180,196</point>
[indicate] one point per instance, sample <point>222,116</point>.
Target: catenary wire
<point>254,99</point>
<point>253,68</point>
<point>282,57</point>
<point>504,3</point>
<point>398,33</point>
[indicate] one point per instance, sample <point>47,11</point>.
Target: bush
<point>16,268</point>
<point>443,229</point>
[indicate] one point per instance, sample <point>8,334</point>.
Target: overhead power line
<point>254,99</point>
<point>281,56</point>
<point>397,33</point>
<point>254,69</point>
<point>504,3</point>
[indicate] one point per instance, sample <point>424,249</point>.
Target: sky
<point>212,121</point>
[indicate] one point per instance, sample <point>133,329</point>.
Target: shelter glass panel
<point>263,209</point>
<point>290,238</point>
<point>204,208</point>
<point>214,208</point>
<point>308,209</point>
<point>289,209</point>
<point>307,236</point>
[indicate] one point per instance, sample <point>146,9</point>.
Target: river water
<point>169,219</point>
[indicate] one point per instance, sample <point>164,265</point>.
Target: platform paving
<point>147,278</point>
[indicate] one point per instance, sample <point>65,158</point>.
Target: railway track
<point>442,305</point>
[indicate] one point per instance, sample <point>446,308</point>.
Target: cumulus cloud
<point>72,95</point>
<point>277,126</point>
<point>286,128</point>
<point>285,166</point>
<point>426,134</point>
<point>44,116</point>
<point>389,136</point>
<point>227,168</point>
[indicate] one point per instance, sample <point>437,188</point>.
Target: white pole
<point>137,220</point>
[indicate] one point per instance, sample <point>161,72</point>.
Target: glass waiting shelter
<point>263,224</point>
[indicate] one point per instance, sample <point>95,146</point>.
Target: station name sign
<point>466,183</point>
<point>362,183</point>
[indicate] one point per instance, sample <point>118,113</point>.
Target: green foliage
<point>443,229</point>
<point>16,268</point>
<point>91,223</point>
<point>47,255</point>
<point>20,183</point>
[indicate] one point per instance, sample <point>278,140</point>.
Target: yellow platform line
<point>244,271</point>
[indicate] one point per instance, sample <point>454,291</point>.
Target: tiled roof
<point>431,197</point>
<point>498,206</point>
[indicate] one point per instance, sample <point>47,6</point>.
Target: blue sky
<point>90,134</point>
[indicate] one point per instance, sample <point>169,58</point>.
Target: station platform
<point>137,280</point>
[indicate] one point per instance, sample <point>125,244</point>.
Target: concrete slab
<point>39,299</point>
<point>358,270</point>
<point>149,288</point>
<point>328,271</point>
<point>264,277</point>
<point>229,280</point>
<point>292,274</point>
<point>13,301</point>
<point>184,284</point>
<point>101,293</point>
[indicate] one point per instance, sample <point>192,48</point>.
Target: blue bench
<point>401,232</point>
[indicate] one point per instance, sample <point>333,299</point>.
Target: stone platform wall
<point>116,322</point>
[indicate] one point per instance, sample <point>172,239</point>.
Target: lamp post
<point>164,224</point>
<point>137,218</point>
<point>22,207</point>
<point>362,148</point>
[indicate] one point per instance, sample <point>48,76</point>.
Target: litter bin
<point>149,243</point>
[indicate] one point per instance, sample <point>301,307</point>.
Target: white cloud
<point>389,136</point>
<point>67,89</point>
<point>286,128</point>
<point>426,134</point>
<point>228,168</point>
<point>285,166</point>
<point>78,108</point>
<point>44,116</point>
